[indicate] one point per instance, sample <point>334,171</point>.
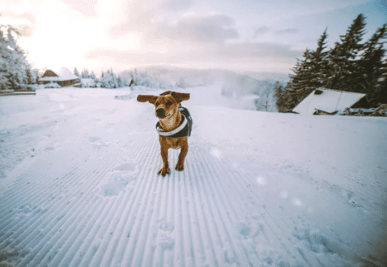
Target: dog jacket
<point>183,130</point>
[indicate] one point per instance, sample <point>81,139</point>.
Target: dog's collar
<point>174,131</point>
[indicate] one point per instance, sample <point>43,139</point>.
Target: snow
<point>79,184</point>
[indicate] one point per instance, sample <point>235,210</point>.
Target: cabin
<point>62,77</point>
<point>324,101</point>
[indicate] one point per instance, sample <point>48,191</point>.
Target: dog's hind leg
<point>183,153</point>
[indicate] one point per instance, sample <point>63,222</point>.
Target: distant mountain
<point>275,76</point>
<point>233,85</point>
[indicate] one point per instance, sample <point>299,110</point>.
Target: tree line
<point>351,65</point>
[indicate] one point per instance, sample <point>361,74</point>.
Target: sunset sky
<point>243,35</point>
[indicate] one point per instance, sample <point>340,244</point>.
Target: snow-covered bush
<point>87,82</point>
<point>52,85</point>
<point>109,81</point>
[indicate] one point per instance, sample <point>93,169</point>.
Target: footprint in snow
<point>351,198</point>
<point>165,239</point>
<point>115,183</point>
<point>315,240</point>
<point>97,142</point>
<point>121,177</point>
<point>126,167</point>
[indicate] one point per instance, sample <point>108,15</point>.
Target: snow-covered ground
<point>79,185</point>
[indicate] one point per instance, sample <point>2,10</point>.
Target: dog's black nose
<point>160,112</point>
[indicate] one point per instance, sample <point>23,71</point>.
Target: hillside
<point>79,185</point>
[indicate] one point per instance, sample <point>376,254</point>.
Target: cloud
<point>178,4</point>
<point>201,29</point>
<point>86,7</point>
<point>202,53</point>
<point>25,30</point>
<point>288,31</point>
<point>24,22</point>
<point>259,31</point>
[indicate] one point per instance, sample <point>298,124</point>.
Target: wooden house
<point>329,102</point>
<point>63,77</point>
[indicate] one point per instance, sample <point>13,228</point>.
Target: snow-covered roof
<point>63,75</point>
<point>328,100</point>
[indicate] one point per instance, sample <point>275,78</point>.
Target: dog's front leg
<point>180,161</point>
<point>164,155</point>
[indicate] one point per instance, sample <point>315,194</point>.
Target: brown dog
<point>171,127</point>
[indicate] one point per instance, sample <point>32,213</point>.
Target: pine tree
<point>278,94</point>
<point>371,64</point>
<point>319,63</point>
<point>380,93</point>
<point>76,73</point>
<point>343,66</point>
<point>309,74</point>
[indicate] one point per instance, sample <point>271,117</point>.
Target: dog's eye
<point>169,103</point>
<point>157,103</point>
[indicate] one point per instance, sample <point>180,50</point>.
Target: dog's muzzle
<point>160,113</point>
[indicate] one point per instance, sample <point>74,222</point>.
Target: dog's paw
<point>179,167</point>
<point>163,171</point>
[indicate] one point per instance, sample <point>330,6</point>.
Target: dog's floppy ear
<point>180,96</point>
<point>144,98</point>
<point>166,93</point>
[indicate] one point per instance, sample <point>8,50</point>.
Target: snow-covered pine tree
<point>344,71</point>
<point>92,76</point>
<point>29,76</point>
<point>76,73</point>
<point>119,82</point>
<point>13,63</point>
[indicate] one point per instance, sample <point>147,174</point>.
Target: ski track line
<point>86,250</point>
<point>66,175</point>
<point>27,219</point>
<point>216,209</point>
<point>119,242</point>
<point>196,243</point>
<point>212,177</point>
<point>44,245</point>
<point>220,206</point>
<point>115,227</point>
<point>101,215</point>
<point>89,222</point>
<point>134,251</point>
<point>206,217</point>
<point>19,198</point>
<point>187,218</point>
<point>26,189</point>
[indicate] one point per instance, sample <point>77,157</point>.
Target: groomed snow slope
<point>79,185</point>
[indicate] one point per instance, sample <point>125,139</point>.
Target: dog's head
<point>166,104</point>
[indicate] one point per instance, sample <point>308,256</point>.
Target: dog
<point>174,126</point>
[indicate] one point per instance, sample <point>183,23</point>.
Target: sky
<point>243,35</point>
